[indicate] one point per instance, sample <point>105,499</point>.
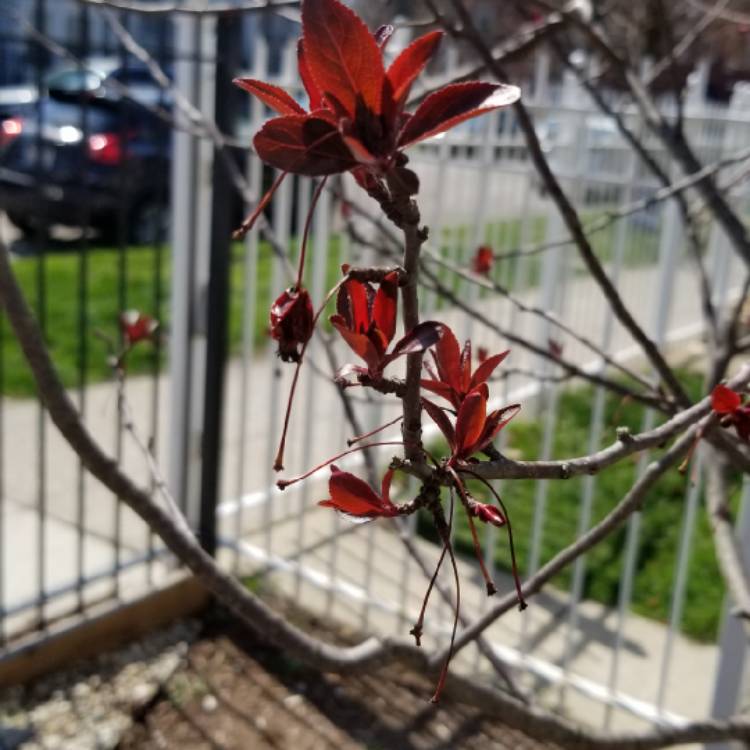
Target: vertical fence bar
<point>40,17</point>
<point>595,434</point>
<point>249,320</point>
<point>732,657</point>
<point>669,243</point>
<point>227,40</point>
<point>680,582</point>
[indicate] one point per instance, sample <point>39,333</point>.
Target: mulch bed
<point>233,693</point>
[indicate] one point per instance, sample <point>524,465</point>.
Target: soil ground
<point>233,693</point>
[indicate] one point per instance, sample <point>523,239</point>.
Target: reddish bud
<point>137,326</point>
<point>482,354</point>
<point>483,260</point>
<point>292,320</point>
<point>488,514</point>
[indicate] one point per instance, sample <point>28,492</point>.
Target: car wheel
<point>147,223</point>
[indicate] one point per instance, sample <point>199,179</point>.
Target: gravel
<point>90,705</point>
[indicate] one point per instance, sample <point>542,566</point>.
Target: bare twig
<point>570,216</point>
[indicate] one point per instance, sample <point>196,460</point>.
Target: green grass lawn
<point>110,281</point>
<point>139,279</point>
<point>661,521</point>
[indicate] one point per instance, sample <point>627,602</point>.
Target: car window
<point>74,80</point>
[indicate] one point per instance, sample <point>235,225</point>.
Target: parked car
<point>97,77</point>
<point>82,162</point>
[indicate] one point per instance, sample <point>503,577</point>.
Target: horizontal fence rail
<point>608,643</point>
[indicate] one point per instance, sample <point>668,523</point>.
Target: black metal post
<point>227,47</point>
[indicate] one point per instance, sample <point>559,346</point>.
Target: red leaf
<point>276,98</point>
<point>313,92</point>
<point>342,55</point>
<point>353,304</point>
<point>410,63</point>
<point>465,367</point>
<point>470,420</point>
<point>447,358</point>
<point>724,400</point>
<point>385,306</point>
<point>439,387</point>
<point>495,422</point>
<point>359,343</point>
<point>421,337</point>
<point>439,417</point>
<point>452,105</point>
<point>303,145</point>
<point>483,372</point>
<point>349,494</point>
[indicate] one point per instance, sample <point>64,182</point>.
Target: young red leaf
<point>724,400</point>
<point>487,367</point>
<point>452,105</point>
<point>313,92</point>
<point>470,421</point>
<point>421,337</point>
<point>495,422</point>
<point>383,34</point>
<point>306,145</point>
<point>385,305</point>
<point>276,98</point>
<point>404,70</point>
<point>439,417</point>
<point>342,55</point>
<point>350,495</point>
<point>447,359</point>
<point>360,343</point>
<point>465,367</point>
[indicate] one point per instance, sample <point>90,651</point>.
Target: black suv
<point>85,161</point>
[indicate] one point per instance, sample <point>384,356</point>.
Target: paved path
<point>368,560</point>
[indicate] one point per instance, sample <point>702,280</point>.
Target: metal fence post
<point>190,221</point>
<point>217,313</point>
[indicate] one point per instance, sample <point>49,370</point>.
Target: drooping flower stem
<point>488,582</point>
<point>516,578</point>
<point>282,484</point>
<point>306,231</point>
<point>445,530</point>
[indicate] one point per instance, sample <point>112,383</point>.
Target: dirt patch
<point>232,693</point>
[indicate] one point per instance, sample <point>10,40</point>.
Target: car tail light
<point>105,148</point>
<point>10,129</point>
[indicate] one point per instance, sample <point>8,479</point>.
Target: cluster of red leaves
<point>357,120</point>
<point>466,391</point>
<point>454,378</point>
<point>366,320</point>
<point>474,428</point>
<point>728,404</point>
